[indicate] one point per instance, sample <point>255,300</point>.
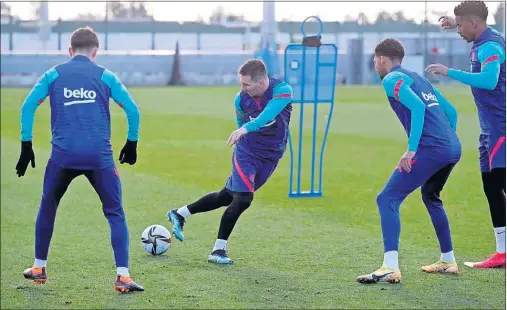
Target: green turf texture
<point>289,253</point>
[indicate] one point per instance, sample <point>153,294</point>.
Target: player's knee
<point>489,185</point>
<point>499,176</point>
<point>114,212</point>
<point>389,200</point>
<point>52,196</point>
<point>498,171</point>
<point>383,199</point>
<point>430,195</point>
<point>241,202</point>
<point>224,197</point>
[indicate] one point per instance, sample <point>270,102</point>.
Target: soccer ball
<point>156,239</point>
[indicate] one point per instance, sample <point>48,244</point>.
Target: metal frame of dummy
<point>316,43</point>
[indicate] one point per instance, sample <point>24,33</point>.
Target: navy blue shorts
<point>491,152</point>
<point>249,173</point>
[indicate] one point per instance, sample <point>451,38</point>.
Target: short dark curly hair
<point>390,48</point>
<point>472,8</point>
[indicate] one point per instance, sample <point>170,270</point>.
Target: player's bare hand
<point>437,69</point>
<point>447,22</point>
<point>405,163</point>
<point>236,135</point>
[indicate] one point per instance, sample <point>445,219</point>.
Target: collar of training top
<point>81,58</point>
<point>483,35</point>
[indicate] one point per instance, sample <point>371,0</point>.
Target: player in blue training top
<point>263,110</point>
<point>79,92</point>
<point>487,80</point>
<point>433,151</point>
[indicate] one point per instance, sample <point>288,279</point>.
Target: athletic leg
<point>493,177</point>
<point>107,184</point>
<point>430,192</point>
<point>210,202</point>
<point>494,188</point>
<point>206,203</point>
<point>398,187</point>
<point>431,197</point>
<point>492,163</point>
<point>241,185</point>
<point>240,202</point>
<point>56,182</point>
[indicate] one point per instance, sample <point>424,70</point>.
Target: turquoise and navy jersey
<point>487,79</point>
<point>427,117</point>
<point>266,119</point>
<point>79,92</point>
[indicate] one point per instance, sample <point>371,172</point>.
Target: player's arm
<point>282,96</point>
<point>36,96</point>
<point>239,112</point>
<point>122,97</point>
<point>449,110</point>
<point>397,85</point>
<point>490,55</point>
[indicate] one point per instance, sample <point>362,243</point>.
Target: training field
<point>303,253</point>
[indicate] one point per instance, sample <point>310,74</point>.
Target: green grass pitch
<point>303,253</point>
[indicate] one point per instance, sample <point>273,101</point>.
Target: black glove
<point>128,153</point>
<point>27,155</point>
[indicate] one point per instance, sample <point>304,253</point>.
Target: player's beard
<point>466,38</point>
<point>257,92</point>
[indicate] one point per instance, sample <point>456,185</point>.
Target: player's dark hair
<point>390,48</point>
<point>84,38</point>
<point>255,68</point>
<point>472,8</point>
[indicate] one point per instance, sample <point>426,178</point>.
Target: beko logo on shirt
<point>82,95</point>
<point>429,96</point>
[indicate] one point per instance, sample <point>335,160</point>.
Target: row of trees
<point>383,17</point>
<point>400,18</point>
<point>118,10</point>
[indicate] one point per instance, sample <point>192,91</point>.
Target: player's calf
<point>37,274</point>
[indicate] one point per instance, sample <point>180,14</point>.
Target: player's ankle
<point>123,271</point>
<point>220,244</point>
<point>448,257</point>
<point>183,212</point>
<point>391,260</point>
<point>39,263</point>
<point>390,267</point>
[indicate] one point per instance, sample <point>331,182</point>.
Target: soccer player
<point>487,80</point>
<point>79,92</point>
<point>263,110</point>
<point>433,151</point>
